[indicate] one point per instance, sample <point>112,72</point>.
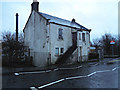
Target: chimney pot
<point>73,20</point>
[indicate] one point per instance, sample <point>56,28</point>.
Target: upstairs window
<point>79,36</point>
<point>60,34</point>
<point>83,37</point>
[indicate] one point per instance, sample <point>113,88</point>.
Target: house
<point>55,40</point>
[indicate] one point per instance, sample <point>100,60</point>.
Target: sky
<point>99,15</point>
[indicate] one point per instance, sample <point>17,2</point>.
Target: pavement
<point>10,70</point>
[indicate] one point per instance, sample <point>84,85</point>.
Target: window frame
<point>56,51</point>
<point>83,37</point>
<point>60,34</point>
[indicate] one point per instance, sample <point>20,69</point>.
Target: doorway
<point>74,38</point>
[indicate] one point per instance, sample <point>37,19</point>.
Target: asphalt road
<point>91,75</point>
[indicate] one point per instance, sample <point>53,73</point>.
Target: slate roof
<point>62,21</point>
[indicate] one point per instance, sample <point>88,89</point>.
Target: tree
<point>11,48</point>
<point>104,42</point>
<point>96,43</point>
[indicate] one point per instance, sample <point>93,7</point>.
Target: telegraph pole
<point>16,26</point>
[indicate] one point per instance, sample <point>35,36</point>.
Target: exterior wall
<point>57,43</point>
<point>36,39</point>
<point>83,46</point>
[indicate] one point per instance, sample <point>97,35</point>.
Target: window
<point>60,36</point>
<point>62,50</point>
<point>83,37</point>
<point>79,36</point>
<point>56,51</point>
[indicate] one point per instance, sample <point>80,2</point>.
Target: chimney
<point>16,26</point>
<point>73,20</point>
<point>35,6</point>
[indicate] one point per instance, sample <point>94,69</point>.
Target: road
<point>90,75</point>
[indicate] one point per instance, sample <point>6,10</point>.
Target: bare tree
<point>104,42</point>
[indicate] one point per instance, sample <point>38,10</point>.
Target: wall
<point>85,46</point>
<point>56,43</point>
<point>36,39</point>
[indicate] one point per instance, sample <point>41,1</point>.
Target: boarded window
<point>56,51</point>
<point>83,37</point>
<point>79,36</point>
<point>62,50</point>
<point>60,36</point>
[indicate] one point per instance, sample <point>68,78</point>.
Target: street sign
<point>112,42</point>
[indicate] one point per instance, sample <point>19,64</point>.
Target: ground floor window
<point>59,51</point>
<point>56,51</point>
<point>62,50</point>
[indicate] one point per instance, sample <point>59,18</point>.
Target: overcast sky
<point>99,15</point>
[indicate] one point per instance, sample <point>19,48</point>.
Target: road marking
<point>48,71</point>
<point>21,73</point>
<point>95,64</point>
<point>114,69</point>
<point>51,83</point>
<point>16,74</point>
<point>56,69</point>
<point>91,74</point>
<point>33,88</point>
<point>103,71</point>
<point>76,77</point>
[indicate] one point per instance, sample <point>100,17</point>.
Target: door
<point>74,38</point>
<point>80,53</point>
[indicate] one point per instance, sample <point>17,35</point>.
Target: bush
<point>12,50</point>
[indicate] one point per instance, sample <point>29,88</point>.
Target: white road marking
<point>21,73</point>
<point>91,74</point>
<point>32,72</point>
<point>16,74</point>
<point>51,83</point>
<point>56,69</point>
<point>103,71</point>
<point>33,88</point>
<point>48,71</point>
<point>68,78</point>
<point>114,69</point>
<point>75,77</point>
<point>94,64</point>
<point>78,67</point>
